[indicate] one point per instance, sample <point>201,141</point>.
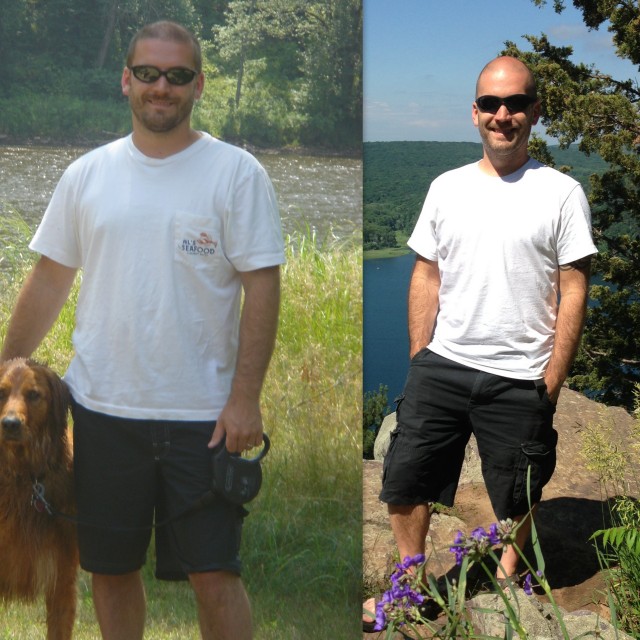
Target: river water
<point>316,194</point>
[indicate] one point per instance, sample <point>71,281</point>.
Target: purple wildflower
<point>459,547</point>
<point>494,534</point>
<point>478,543</point>
<point>398,603</point>
<point>460,552</point>
<point>381,616</point>
<point>527,586</point>
<point>414,561</point>
<point>479,534</point>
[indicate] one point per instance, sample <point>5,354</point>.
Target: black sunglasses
<point>515,104</point>
<point>176,75</point>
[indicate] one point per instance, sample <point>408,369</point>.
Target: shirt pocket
<point>197,241</point>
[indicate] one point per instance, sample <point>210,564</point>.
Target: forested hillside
<point>397,176</point>
<point>279,72</point>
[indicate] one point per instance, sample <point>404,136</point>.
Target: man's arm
<point>423,303</point>
<point>574,292</point>
<point>39,303</point>
<point>241,419</point>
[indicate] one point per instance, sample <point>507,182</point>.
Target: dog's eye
<point>32,395</point>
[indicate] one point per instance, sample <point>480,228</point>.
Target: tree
<point>314,45</point>
<point>333,70</point>
<point>582,105</point>
<point>237,38</point>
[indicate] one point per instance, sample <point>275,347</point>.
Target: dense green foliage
<point>279,72</point>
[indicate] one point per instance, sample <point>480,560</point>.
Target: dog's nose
<point>11,425</point>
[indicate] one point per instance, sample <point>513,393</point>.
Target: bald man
<point>497,302</point>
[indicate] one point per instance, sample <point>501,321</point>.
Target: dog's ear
<point>60,398</point>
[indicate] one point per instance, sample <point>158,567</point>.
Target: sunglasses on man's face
<point>515,104</point>
<point>176,75</point>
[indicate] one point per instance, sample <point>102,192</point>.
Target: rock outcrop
<point>574,506</point>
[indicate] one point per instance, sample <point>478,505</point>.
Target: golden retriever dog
<point>38,550</point>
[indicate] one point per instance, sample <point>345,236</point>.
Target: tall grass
<point>302,540</point>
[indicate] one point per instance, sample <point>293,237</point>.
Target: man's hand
<point>241,422</point>
<point>553,391</point>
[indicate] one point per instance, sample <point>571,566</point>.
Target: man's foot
<point>368,616</point>
<point>509,582</point>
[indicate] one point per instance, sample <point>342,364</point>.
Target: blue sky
<point>422,58</point>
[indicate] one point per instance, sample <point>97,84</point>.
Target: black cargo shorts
<point>442,405</point>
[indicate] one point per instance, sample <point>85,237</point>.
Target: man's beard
<point>160,122</point>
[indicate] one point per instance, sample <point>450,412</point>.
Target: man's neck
<point>163,145</point>
<point>502,166</point>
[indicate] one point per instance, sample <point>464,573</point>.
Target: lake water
<point>320,194</point>
<point>386,338</point>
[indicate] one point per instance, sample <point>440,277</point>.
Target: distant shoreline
<point>389,252</point>
<point>7,140</point>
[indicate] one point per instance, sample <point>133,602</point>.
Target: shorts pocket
<point>540,457</point>
<point>425,351</point>
<point>543,394</point>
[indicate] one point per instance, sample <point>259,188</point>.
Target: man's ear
<point>536,112</point>
<point>125,82</point>
<point>199,86</point>
<point>474,114</point>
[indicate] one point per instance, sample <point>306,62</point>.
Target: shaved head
<point>507,67</point>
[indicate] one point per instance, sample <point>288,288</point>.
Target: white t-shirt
<point>498,242</point>
<point>161,243</point>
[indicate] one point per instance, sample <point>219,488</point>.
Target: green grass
<point>302,543</point>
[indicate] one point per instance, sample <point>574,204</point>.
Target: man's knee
<point>408,510</point>
<point>409,518</point>
<point>212,586</point>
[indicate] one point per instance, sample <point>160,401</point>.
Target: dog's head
<point>33,406</point>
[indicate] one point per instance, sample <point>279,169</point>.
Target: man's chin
<point>502,145</point>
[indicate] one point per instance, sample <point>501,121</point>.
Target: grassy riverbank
<point>302,541</point>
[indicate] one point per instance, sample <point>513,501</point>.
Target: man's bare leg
<point>120,605</point>
<point>510,557</point>
<point>410,526</point>
<point>224,611</point>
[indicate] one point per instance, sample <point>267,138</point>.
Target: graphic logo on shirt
<point>205,240</point>
<point>200,243</point>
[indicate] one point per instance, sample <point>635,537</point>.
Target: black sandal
<point>368,626</point>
